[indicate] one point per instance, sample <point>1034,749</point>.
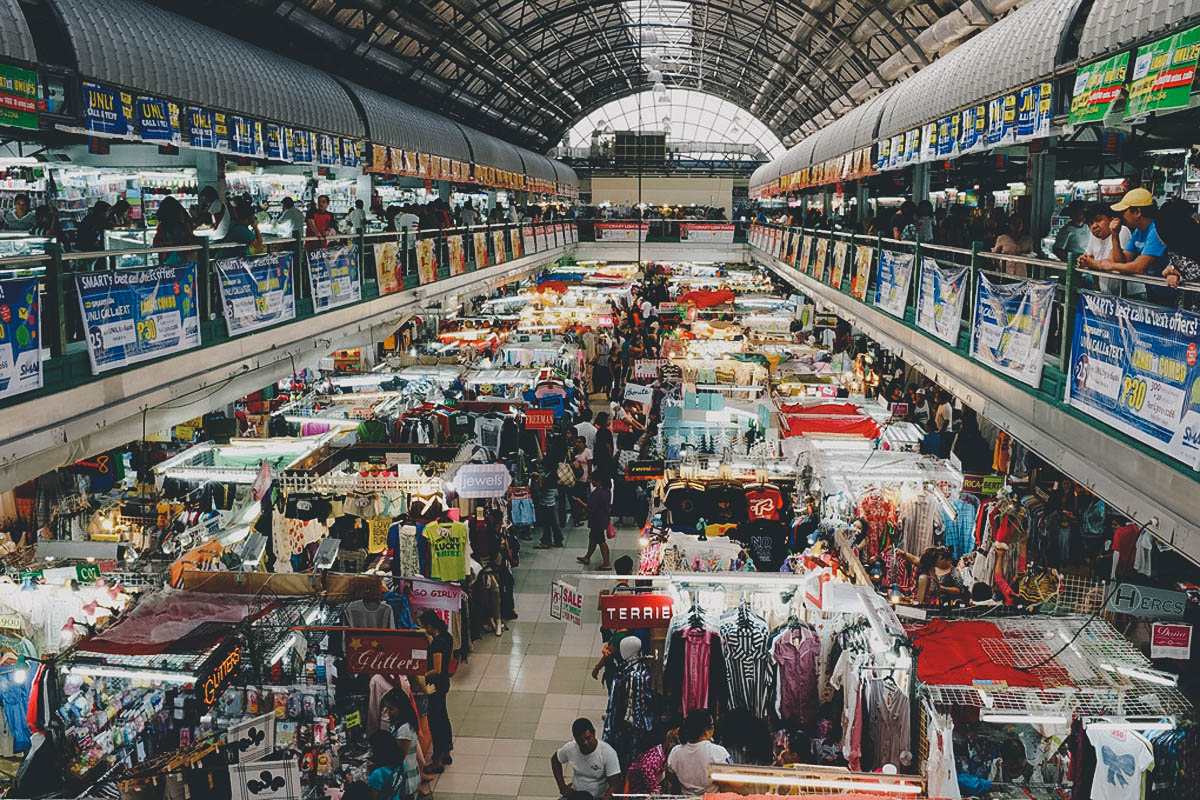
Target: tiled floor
<point>512,704</point>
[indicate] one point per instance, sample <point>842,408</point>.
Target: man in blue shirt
<point>1145,254</point>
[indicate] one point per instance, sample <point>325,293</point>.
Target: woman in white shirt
<point>689,760</point>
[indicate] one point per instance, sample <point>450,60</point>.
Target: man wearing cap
<point>1146,254</point>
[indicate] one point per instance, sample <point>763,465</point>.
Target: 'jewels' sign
<point>635,611</point>
<point>371,651</point>
<point>476,481</point>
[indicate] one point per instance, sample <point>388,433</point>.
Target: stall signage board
<point>940,301</point>
<point>256,292</point>
<point>133,315</point>
<point>1163,73</point>
<point>1134,366</point>
<point>1009,329</point>
<point>982,485</point>
<point>645,470</point>
<point>891,284</point>
<point>621,231</point>
<point>157,120</point>
<point>106,112</point>
<point>20,337</point>
<point>18,97</point>
<point>620,611</point>
<point>539,419</point>
<point>477,481</point>
<point>1097,87</point>
<point>1168,640</point>
<point>566,603</point>
<point>1143,601</point>
<point>383,651</point>
<point>334,276</point>
<point>636,393</point>
<point>648,367</point>
<point>706,231</point>
<point>426,593</point>
<point>211,686</point>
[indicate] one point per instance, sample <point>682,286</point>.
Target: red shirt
<point>764,503</point>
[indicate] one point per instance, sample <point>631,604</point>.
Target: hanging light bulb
<point>654,76</point>
<point>660,87</point>
<point>653,59</point>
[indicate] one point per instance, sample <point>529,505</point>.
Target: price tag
<point>354,719</point>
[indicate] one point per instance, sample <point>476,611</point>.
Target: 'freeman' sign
<point>635,611</point>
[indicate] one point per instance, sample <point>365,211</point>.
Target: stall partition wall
<point>1141,483</point>
<point>657,191</point>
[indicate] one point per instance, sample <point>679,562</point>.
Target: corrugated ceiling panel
<point>492,152</point>
<point>15,40</point>
<point>140,46</point>
<point>565,174</point>
<point>868,124</point>
<point>537,166</point>
<point>1113,24</point>
<point>398,124</point>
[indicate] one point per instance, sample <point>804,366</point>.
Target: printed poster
<point>1034,109</point>
<point>539,236</point>
<point>335,277</point>
<point>157,120</point>
<point>621,231</point>
<point>822,246</point>
<point>458,256</point>
<point>253,738</point>
<point>498,246</point>
<point>1010,324</point>
<point>426,261</point>
<point>892,282</point>
<point>1163,73</point>
<point>20,337</point>
<point>389,267</point>
<point>530,240</point>
<point>1097,87</point>
<point>133,315</point>
<point>481,249</point>
<point>940,302</point>
<point>256,291</point>
<point>864,257</point>
<point>514,241</point>
<point>266,780</point>
<point>1134,367</point>
<point>706,231</point>
<point>106,112</point>
<point>805,254</point>
<point>18,97</point>
<point>840,250</point>
<point>794,240</point>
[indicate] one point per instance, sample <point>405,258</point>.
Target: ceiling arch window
<point>684,115</point>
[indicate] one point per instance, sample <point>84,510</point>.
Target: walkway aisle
<point>513,703</point>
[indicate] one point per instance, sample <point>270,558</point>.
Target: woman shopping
<point>438,681</point>
<point>599,509</point>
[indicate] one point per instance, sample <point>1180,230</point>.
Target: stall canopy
<point>1113,24</point>
<point>132,44</point>
<point>397,124</point>
<point>565,175</point>
<point>1018,50</point>
<point>16,43</point>
<point>537,166</point>
<point>492,152</point>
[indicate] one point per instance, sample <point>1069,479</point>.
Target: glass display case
<point>130,239</point>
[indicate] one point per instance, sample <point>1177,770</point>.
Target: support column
<point>920,182</point>
<point>443,190</point>
<point>827,203</point>
<point>1041,191</point>
<point>863,192</point>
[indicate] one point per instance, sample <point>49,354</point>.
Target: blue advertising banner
<point>201,131</point>
<point>107,112</point>
<point>1001,120</point>
<point>20,337</point>
<point>157,120</point>
<point>221,131</point>
<point>302,147</point>
<point>1034,111</point>
<point>892,282</point>
<point>243,140</point>
<point>350,153</point>
<point>257,291</point>
<point>971,137</point>
<point>947,137</point>
<point>1008,333</point>
<point>277,143</point>
<point>328,154</point>
<point>133,315</point>
<point>940,303</point>
<point>1134,367</point>
<point>334,276</point>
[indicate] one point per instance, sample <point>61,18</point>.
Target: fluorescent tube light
<point>1150,676</point>
<point>817,783</point>
<point>93,671</point>
<point>1028,719</point>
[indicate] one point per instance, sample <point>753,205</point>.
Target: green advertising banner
<point>1163,73</point>
<point>1097,87</point>
<point>18,97</point>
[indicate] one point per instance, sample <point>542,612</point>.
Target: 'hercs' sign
<point>1143,601</point>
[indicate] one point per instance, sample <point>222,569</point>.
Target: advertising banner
<point>530,240</point>
<point>940,303</point>
<point>383,651</point>
<point>328,151</point>
<point>1008,333</point>
<point>335,277</point>
<point>1171,640</point>
<point>18,97</point>
<point>621,231</point>
<point>157,120</point>
<point>476,481</point>
<point>947,137</point>
<point>806,257</point>
<point>1097,87</point>
<point>974,124</point>
<point>892,282</point>
<point>303,147</point>
<point>1001,121</point>
<point>426,261</point>
<point>498,247</point>
<point>106,112</point>
<point>621,611</point>
<point>256,291</point>
<point>428,593</point>
<point>1034,111</point>
<point>514,242</point>
<point>566,603</point>
<point>864,257</point>
<point>456,247</point>
<point>838,267</point>
<point>481,249</point>
<point>389,267</point>
<point>819,258</point>
<point>277,144</point>
<point>539,237</point>
<point>706,231</point>
<point>1134,367</point>
<point>1163,73</point>
<point>245,136</point>
<point>350,156</point>
<point>793,248</point>
<point>133,315</point>
<point>20,337</point>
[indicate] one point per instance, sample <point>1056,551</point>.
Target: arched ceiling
<point>526,70</point>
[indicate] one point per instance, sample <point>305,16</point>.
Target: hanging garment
<point>888,724</point>
<point>879,511</point>
<point>795,651</point>
<point>694,673</point>
<point>959,533</point>
<point>631,712</point>
<point>748,665</point>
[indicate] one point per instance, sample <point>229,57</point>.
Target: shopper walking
<point>438,681</point>
<point>599,519</point>
<point>545,499</point>
<point>604,450</point>
<point>594,763</point>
